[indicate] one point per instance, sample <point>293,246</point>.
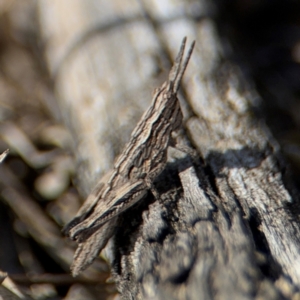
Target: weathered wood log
<point>228,228</point>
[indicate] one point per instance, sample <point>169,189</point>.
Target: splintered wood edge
<point>3,155</point>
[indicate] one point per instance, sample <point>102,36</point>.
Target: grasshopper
<point>142,160</point>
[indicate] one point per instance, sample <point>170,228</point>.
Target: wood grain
<point>228,228</point>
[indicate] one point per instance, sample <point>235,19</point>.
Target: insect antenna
<point>176,66</point>
<point>181,70</point>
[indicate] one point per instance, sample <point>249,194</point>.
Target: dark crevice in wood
<point>210,176</point>
<point>246,157</point>
<point>290,183</point>
<point>269,268</point>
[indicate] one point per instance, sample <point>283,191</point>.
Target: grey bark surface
<point>228,228</point>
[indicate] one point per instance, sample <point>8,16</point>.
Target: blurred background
<point>37,193</point>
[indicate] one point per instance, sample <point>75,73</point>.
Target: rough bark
<point>228,228</point>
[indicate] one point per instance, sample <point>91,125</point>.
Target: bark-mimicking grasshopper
<point>142,160</point>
